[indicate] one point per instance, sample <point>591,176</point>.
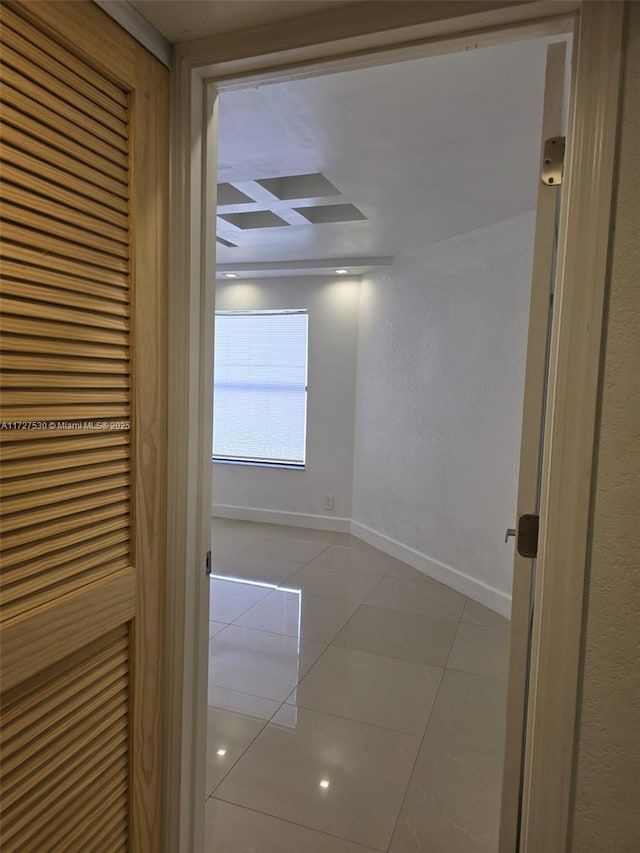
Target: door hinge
<point>207,563</point>
<point>527,541</point>
<point>553,161</point>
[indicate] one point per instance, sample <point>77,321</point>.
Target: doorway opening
<point>359,603</point>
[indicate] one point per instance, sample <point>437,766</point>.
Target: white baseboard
<point>491,597</point>
<point>291,519</point>
<point>481,592</point>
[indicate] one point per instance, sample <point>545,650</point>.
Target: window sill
<point>250,463</point>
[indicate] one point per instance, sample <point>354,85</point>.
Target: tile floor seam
<point>415,763</point>
<point>249,745</point>
<point>335,645</point>
<point>446,666</point>
<point>350,719</point>
<point>469,672</point>
<point>424,615</point>
<point>295,823</point>
<point>244,693</point>
<point>389,657</point>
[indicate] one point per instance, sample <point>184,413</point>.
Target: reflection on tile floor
<point>355,705</point>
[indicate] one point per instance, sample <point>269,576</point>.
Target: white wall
<point>333,330</point>
<point>441,356</point>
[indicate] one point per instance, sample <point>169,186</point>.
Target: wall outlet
<point>328,502</point>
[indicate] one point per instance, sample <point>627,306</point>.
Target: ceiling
<point>184,20</point>
<point>422,150</point>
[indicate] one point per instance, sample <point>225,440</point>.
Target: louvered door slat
<point>16,302</point>
<point>63,380</point>
<point>59,794</point>
<point>107,556</point>
<point>57,296</point>
<point>69,523</point>
<point>15,559</point>
<point>69,68</point>
<point>36,266</point>
<point>55,227</point>
<point>66,330</point>
<point>69,443</point>
<point>23,502</point>
<point>65,366</point>
<point>46,739</point>
<point>18,520</point>
<point>85,695</point>
<point>47,189</point>
<point>23,116</point>
<point>64,835</point>
<point>112,234</point>
<point>79,102</point>
<point>23,233</point>
<point>110,141</point>
<point>64,477</point>
<point>25,141</point>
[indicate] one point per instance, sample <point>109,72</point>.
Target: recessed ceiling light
<point>324,783</point>
<point>221,752</point>
<point>231,275</point>
<point>342,272</point>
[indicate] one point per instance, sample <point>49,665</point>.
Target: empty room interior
<point>374,250</point>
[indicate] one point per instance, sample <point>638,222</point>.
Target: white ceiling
<point>426,149</point>
<point>184,20</point>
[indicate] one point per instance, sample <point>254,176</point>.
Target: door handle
<point>511,531</point>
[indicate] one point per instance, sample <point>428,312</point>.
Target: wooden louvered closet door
<point>84,170</point>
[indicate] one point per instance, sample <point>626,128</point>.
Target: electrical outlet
<point>328,503</point>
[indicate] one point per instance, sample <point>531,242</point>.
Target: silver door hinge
<point>553,161</point>
<point>207,563</point>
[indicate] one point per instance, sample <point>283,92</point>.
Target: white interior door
<point>531,449</point>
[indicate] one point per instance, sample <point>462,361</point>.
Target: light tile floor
<point>355,705</point>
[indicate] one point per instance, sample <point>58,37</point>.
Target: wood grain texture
<point>25,142</point>
<point>79,216</point>
<point>74,235</point>
<point>66,66</point>
<point>22,233</point>
<point>82,105</point>
<point>29,98</point>
<point>84,151</point>
<point>21,303</point>
<point>150,170</point>
<point>34,642</point>
<point>31,266</point>
<point>64,748</point>
<point>65,195</point>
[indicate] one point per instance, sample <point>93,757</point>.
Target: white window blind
<point>260,386</point>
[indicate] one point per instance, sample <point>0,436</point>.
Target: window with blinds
<point>260,387</point>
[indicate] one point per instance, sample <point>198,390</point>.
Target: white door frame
<point>207,66</point>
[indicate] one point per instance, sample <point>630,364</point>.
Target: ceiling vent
<point>299,186</point>
<point>331,213</point>
<point>254,219</point>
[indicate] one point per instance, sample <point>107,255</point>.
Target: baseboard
<point>491,597</point>
<point>291,519</point>
<point>481,592</point>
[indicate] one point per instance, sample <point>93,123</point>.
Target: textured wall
<point>607,784</point>
<point>333,336</point>
<point>439,391</point>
